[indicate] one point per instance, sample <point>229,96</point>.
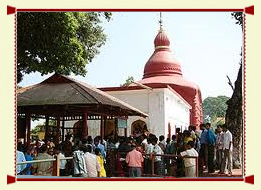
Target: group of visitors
<point>38,151</point>
<point>137,156</point>
<point>216,149</point>
<point>88,158</point>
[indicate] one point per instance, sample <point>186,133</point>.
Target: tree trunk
<point>234,118</point>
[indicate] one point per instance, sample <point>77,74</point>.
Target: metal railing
<point>56,161</point>
<point>170,157</point>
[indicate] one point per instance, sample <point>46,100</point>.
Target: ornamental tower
<point>163,69</point>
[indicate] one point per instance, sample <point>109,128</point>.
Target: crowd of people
<point>134,156</point>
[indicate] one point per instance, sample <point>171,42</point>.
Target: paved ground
<point>235,173</point>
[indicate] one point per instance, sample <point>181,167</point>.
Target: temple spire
<point>160,22</point>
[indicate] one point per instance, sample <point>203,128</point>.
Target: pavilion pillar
<point>63,129</point>
<point>28,128</point>
<point>46,127</point>
<point>85,127</point>
<point>105,121</point>
<point>116,127</point>
<point>102,127</point>
<point>58,128</point>
<point>125,132</point>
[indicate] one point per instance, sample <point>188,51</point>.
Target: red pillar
<point>28,128</point>
<point>102,128</point>
<point>58,130</point>
<point>176,130</point>
<point>46,127</point>
<point>63,129</point>
<point>169,131</point>
<point>125,132</point>
<point>116,127</point>
<point>85,127</point>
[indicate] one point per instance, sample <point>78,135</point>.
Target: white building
<point>167,110</point>
<point>170,101</point>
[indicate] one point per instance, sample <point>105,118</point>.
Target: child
<point>101,162</point>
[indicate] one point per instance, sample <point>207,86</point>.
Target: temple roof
<point>162,62</point>
<point>70,96</point>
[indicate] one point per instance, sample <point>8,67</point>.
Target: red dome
<point>161,40</point>
<point>163,69</point>
<point>162,62</point>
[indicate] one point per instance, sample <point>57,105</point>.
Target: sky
<point>207,45</point>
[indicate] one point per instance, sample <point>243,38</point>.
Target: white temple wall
<point>149,102</point>
<point>162,105</point>
<point>177,112</point>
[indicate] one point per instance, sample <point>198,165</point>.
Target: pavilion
<point>63,99</point>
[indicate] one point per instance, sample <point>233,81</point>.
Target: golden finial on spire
<point>160,22</point>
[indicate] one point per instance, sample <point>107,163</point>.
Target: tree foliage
<point>62,42</point>
<point>214,107</point>
<point>238,16</point>
<point>128,81</point>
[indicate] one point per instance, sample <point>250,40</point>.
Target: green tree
<point>214,107</point>
<point>128,81</point>
<point>234,113</point>
<point>62,42</point>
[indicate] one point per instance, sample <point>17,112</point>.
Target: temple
<point>163,69</point>
<point>170,101</point>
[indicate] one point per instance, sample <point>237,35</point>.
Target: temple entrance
<point>138,128</point>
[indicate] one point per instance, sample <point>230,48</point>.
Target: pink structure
<point>162,70</point>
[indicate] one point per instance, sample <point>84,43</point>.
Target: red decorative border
<point>15,90</point>
<point>247,179</point>
<point>244,90</point>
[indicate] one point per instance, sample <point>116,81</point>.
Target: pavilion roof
<point>63,95</point>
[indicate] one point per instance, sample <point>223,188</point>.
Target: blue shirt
<point>211,137</point>
<point>204,137</point>
<point>101,147</point>
<point>20,158</point>
<point>28,158</point>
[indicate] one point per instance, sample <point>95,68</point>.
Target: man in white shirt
<point>62,162</point>
<point>219,146</point>
<point>190,163</point>
<point>158,163</point>
<point>228,149</point>
<point>92,164</point>
<point>147,162</point>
